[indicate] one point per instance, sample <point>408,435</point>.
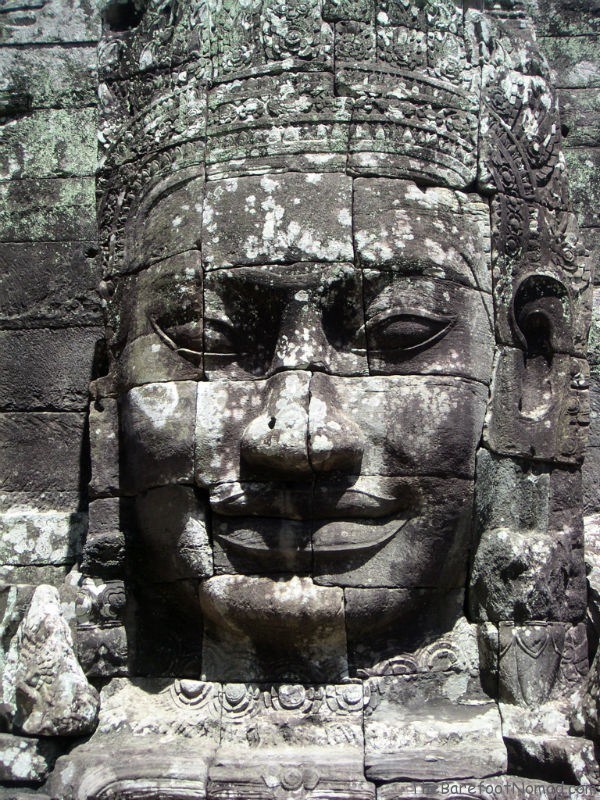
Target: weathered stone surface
<point>32,536</point>
<point>167,220</point>
<point>176,539</point>
<point>423,543</point>
<point>408,630</point>
<point>527,576</point>
<point>33,575</point>
<point>541,661</point>
<point>417,728</point>
<point>582,163</point>
<point>312,316</point>
<point>55,209</point>
<point>258,221</point>
<point>25,760</point>
<point>49,144</point>
<point>261,546</point>
<point>43,684</point>
<point>574,60</point>
<point>401,227</point>
<point>51,77</point>
<point>104,446</point>
<point>157,423</point>
<point>538,744</point>
<point>539,409</point>
<point>48,284</point>
<point>57,21</point>
<point>300,349</point>
<point>47,370</point>
<point>41,451</point>
<point>580,117</point>
<point>242,613</point>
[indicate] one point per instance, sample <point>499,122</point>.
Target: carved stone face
<point>302,397</point>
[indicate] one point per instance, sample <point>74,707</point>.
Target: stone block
<point>33,575</point>
<point>51,77</point>
<point>394,218</point>
<point>527,576</point>
<point>172,539</point>
<point>574,60</point>
<point>161,765</point>
<point>42,451</point>
<point>539,744</point>
<point>147,707</point>
<point>258,320</point>
<point>409,630</point>
<point>49,284</point>
<point>258,718</point>
<point>261,546</point>
<point>287,218</point>
<point>541,661</point>
<point>167,221</point>
<point>33,536</point>
<point>242,614</point>
<point>150,360</point>
<point>419,728</point>
<point>164,629</point>
<point>56,209</point>
<point>104,447</point>
<point>422,544</point>
<point>559,18</point>
<point>52,143</point>
<point>415,325</point>
<point>105,545</point>
<point>26,760</point>
<point>359,10</point>
<point>583,164</point>
<point>580,117</point>
<point>102,651</point>
<point>157,424</point>
<point>402,433</point>
<point>47,369</point>
<point>56,21</point>
<point>529,421</point>
<point>271,772</point>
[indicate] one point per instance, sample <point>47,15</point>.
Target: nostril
<point>271,423</point>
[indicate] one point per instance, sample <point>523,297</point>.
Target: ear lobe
<point>539,406</point>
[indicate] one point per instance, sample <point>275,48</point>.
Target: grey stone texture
<point>294,304</point>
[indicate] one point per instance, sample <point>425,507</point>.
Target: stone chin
<point>271,611</point>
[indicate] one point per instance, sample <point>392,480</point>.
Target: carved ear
<point>539,406</point>
<point>540,317</point>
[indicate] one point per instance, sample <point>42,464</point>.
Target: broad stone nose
<point>277,439</point>
<point>335,442</point>
<point>300,432</point>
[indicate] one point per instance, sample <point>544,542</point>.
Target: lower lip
<point>332,538</point>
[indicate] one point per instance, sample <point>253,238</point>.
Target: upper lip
<point>361,498</point>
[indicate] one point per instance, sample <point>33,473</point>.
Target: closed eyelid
<point>406,311</point>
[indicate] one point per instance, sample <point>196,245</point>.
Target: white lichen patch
<point>29,535</point>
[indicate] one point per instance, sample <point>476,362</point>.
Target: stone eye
<point>406,330</point>
<point>181,333</point>
<point>220,338</point>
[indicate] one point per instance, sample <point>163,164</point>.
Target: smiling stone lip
<point>363,500</point>
<point>330,537</point>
